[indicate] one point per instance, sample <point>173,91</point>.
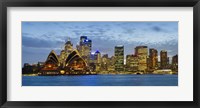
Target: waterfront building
<point>153,58</point>
<point>175,63</point>
<point>111,64</point>
<point>104,62</point>
<point>29,69</point>
<point>75,64</point>
<point>119,57</point>
<point>163,59</point>
<point>148,66</point>
<point>131,63</point>
<point>92,62</point>
<point>142,53</point>
<point>135,63</point>
<point>51,64</point>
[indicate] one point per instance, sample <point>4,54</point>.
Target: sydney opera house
<point>70,61</point>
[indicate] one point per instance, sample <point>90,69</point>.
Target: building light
<point>62,71</point>
<point>49,66</point>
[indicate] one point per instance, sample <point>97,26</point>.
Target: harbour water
<point>101,80</point>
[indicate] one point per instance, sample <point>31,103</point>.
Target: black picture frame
<point>98,3</point>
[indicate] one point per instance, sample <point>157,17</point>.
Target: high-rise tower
<point>119,57</point>
<point>163,59</point>
<point>153,58</point>
<point>142,53</point>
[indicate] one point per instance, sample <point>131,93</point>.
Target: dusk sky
<point>39,38</point>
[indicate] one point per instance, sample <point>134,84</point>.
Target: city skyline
<point>80,61</point>
<point>37,41</point>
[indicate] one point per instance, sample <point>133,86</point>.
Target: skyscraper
<point>111,63</point>
<point>98,56</point>
<point>131,63</point>
<point>82,39</point>
<point>163,59</point>
<point>84,48</point>
<point>142,53</point>
<point>98,60</point>
<point>104,62</point>
<point>153,58</point>
<point>175,63</point>
<point>119,57</point>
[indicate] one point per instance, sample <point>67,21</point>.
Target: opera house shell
<point>73,64</point>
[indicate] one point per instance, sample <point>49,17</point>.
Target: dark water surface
<point>101,80</point>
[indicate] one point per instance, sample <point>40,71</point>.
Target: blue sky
<point>39,38</point>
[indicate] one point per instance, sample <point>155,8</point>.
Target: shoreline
<point>95,74</point>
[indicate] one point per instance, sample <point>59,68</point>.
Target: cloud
<point>157,29</point>
<point>28,40</point>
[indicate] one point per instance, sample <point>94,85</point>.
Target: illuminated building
<point>68,47</point>
<point>98,60</point>
<point>129,60</point>
<point>111,64</point>
<point>148,66</point>
<point>135,63</point>
<point>92,62</point>
<point>175,63</point>
<point>119,57</point>
<point>95,61</point>
<point>104,63</point>
<point>153,58</point>
<point>142,53</point>
<point>51,65</point>
<point>163,59</point>
<point>75,64</point>
<point>82,39</point>
<point>131,63</point>
<point>84,48</point>
<point>62,58</point>
<point>112,60</point>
